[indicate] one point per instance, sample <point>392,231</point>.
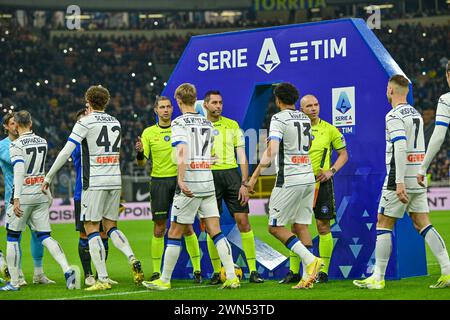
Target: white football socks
<point>171,255</point>
<point>13,261</point>
<point>224,250</point>
<point>57,253</point>
<point>120,241</point>
<point>437,246</point>
<point>2,260</point>
<point>295,245</point>
<point>383,249</point>
<point>98,255</point>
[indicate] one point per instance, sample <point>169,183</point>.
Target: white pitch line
<point>148,291</point>
<point>126,293</point>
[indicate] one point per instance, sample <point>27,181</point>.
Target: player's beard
<point>14,133</point>
<point>389,99</point>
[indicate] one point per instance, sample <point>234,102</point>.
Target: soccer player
<point>192,135</point>
<point>326,138</point>
<point>83,242</point>
<point>229,184</point>
<point>37,249</point>
<point>155,144</point>
<point>292,197</point>
<point>99,136</point>
<point>405,148</point>
<point>440,130</point>
<point>28,205</point>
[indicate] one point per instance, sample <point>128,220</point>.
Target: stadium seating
<point>126,66</point>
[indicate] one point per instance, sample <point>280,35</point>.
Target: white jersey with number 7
<point>404,122</point>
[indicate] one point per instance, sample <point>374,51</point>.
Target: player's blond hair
<point>400,81</point>
<point>98,97</point>
<point>187,93</point>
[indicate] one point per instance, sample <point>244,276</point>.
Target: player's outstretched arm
<point>19,173</point>
<point>340,162</point>
<point>269,154</point>
<point>61,159</point>
<point>243,164</point>
<point>140,154</point>
<point>436,141</point>
<point>182,151</point>
<point>400,169</point>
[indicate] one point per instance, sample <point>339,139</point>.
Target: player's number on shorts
<point>306,133</point>
<point>34,152</point>
<point>416,122</point>
<point>204,131</point>
<point>103,139</point>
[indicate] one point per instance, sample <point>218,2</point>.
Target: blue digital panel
<point>343,64</point>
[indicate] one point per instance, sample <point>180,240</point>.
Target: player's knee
<point>159,232</point>
<point>385,222</point>
<point>244,226</point>
<point>13,236</point>
<point>159,229</point>
<point>242,222</point>
<point>323,227</point>
<point>175,232</point>
<point>42,236</point>
<point>420,220</point>
<point>188,231</point>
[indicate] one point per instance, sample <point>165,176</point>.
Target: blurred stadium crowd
<point>48,77</point>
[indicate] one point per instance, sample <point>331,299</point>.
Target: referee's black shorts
<point>325,206</point>
<point>227,183</point>
<point>162,191</point>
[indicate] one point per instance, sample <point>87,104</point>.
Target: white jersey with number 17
<point>196,132</point>
<point>99,135</point>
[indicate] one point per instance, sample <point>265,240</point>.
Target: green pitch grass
<point>139,234</point>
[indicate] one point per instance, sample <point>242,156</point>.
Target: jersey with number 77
<point>404,123</point>
<point>31,150</point>
<point>99,135</point>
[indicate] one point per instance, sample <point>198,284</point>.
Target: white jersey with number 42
<point>32,151</point>
<point>100,136</point>
<point>196,132</point>
<point>404,122</point>
<point>293,129</point>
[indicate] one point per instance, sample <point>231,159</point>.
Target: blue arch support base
<point>346,67</point>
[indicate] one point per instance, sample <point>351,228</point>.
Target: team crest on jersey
<point>324,209</point>
<point>216,132</point>
<point>166,138</point>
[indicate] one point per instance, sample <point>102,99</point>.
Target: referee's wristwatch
<point>333,170</point>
